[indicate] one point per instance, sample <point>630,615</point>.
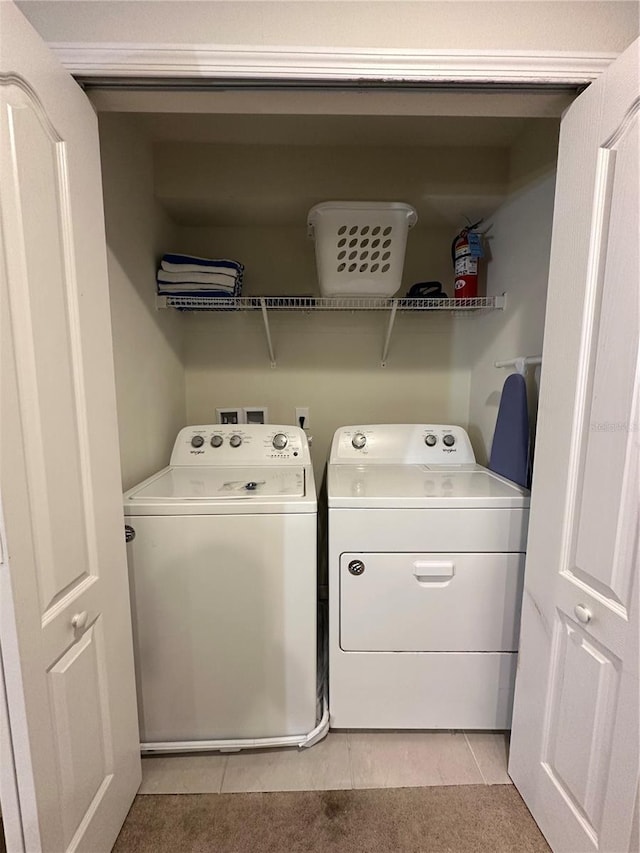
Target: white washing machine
<point>426,563</point>
<point>222,567</point>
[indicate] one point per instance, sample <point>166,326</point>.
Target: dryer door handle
<point>433,570</point>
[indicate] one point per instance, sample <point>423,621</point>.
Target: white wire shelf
<point>322,303</point>
<point>265,304</point>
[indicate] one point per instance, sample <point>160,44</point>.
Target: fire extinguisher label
<point>466,266</point>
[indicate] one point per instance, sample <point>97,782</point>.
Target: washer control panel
<point>240,444</point>
<point>410,444</point>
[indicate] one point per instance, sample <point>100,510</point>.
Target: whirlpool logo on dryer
<point>450,449</point>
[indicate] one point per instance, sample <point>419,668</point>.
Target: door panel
<point>65,618</point>
<point>612,346</point>
<point>584,688</point>
<point>575,744</point>
<point>84,750</point>
<point>48,359</point>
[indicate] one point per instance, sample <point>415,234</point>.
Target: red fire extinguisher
<point>466,251</point>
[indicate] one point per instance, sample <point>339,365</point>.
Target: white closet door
<point>65,619</point>
<point>574,750</point>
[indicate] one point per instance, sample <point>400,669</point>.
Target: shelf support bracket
<point>387,340</point>
<point>267,330</point>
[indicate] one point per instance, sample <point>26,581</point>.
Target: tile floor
<point>341,760</point>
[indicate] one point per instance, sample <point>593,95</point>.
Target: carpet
<point>460,819</point>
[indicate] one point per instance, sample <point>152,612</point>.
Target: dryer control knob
<point>235,440</point>
<point>280,441</point>
<point>197,441</point>
<point>430,440</point>
<point>216,441</point>
<point>449,440</point>
<point>359,440</point>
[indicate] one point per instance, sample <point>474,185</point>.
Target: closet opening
<point>233,172</point>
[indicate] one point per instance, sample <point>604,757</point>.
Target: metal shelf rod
<point>387,340</point>
<point>524,359</point>
<point>520,363</point>
<point>267,331</point>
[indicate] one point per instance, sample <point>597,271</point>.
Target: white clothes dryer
<point>222,564</point>
<point>426,564</point>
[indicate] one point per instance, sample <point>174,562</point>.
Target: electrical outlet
<point>302,412</point>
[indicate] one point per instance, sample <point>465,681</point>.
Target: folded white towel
<point>219,279</point>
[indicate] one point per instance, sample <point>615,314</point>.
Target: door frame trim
<point>388,66</point>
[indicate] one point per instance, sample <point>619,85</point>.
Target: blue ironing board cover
<point>510,447</point>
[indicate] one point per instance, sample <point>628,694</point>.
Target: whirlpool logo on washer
<point>450,449</point>
<point>196,452</point>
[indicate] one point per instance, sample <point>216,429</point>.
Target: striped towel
<point>187,275</point>
<point>191,263</point>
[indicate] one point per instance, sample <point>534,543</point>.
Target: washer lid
<point>407,486</point>
<point>190,484</point>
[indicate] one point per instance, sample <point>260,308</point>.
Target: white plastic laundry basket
<point>360,246</point>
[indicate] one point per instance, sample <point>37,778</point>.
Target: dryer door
<point>430,602</point>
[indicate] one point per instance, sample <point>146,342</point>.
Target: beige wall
<point>258,184</point>
<point>329,362</point>
<point>147,344</point>
<point>520,242</point>
<point>542,24</point>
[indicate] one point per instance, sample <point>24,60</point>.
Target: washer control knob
<point>197,441</point>
<point>359,440</point>
<point>449,440</point>
<point>430,440</point>
<point>216,441</point>
<point>235,440</point>
<point>280,441</point>
<point>356,567</point>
